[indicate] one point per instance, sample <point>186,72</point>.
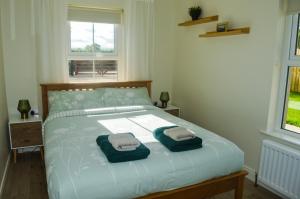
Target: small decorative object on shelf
<point>24,107</point>
<point>222,27</point>
<point>164,98</point>
<point>195,12</point>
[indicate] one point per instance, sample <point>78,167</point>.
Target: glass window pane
<point>81,37</point>
<point>104,37</point>
<point>81,69</point>
<point>291,119</point>
<point>106,69</point>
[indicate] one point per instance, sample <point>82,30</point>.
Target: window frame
<point>116,55</point>
<point>290,59</point>
<point>293,38</point>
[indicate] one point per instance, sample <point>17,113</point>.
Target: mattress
<point>76,168</point>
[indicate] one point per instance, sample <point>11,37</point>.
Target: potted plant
<point>195,12</point>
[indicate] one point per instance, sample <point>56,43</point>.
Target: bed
<point>77,168</point>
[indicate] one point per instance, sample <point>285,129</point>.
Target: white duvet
<point>77,169</point>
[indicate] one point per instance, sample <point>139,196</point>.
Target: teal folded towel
<point>115,156</point>
<point>176,146</point>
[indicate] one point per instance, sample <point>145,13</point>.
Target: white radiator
<point>279,169</point>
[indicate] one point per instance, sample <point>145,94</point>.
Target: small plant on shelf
<point>195,12</point>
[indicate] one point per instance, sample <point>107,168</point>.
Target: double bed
<point>77,168</point>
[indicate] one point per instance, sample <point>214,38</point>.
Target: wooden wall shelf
<point>236,31</point>
<point>200,21</point>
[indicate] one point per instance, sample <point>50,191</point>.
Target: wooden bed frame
<point>201,190</point>
<point>87,86</point>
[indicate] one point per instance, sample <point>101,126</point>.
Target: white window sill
<point>282,136</point>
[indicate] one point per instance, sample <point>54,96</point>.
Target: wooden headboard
<point>87,86</point>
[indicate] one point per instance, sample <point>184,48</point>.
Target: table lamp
<point>164,98</point>
<point>24,107</point>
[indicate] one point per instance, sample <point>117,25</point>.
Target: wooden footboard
<point>206,189</point>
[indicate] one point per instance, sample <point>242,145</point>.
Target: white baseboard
<point>251,171</point>
<point>5,174</point>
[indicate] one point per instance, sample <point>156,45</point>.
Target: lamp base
<point>164,104</point>
<point>24,115</point>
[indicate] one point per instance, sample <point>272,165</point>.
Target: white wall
<point>19,54</point>
<point>3,116</point>
<point>19,59</point>
<point>162,72</point>
<point>224,84</point>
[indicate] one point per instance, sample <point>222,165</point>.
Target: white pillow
<point>126,97</point>
<point>74,100</point>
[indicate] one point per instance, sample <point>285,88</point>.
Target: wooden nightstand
<point>25,133</point>
<point>172,110</point>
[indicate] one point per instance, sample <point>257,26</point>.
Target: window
<point>94,48</point>
<point>290,118</point>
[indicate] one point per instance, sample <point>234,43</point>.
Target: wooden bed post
<point>238,193</point>
<point>149,88</point>
<point>44,99</point>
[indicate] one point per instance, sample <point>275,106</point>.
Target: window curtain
<point>139,39</point>
<point>50,19</point>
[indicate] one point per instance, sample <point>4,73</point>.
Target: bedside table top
<point>170,107</point>
<point>14,119</point>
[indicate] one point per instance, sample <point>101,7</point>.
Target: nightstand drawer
<point>26,134</point>
<point>174,112</point>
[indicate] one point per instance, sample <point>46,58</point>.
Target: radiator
<point>279,169</point>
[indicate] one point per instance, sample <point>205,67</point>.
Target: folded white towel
<point>124,141</point>
<point>179,133</point>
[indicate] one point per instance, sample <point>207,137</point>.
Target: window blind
<point>293,6</point>
<point>94,15</point>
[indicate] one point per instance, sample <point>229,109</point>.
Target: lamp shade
<point>164,98</point>
<point>24,107</point>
